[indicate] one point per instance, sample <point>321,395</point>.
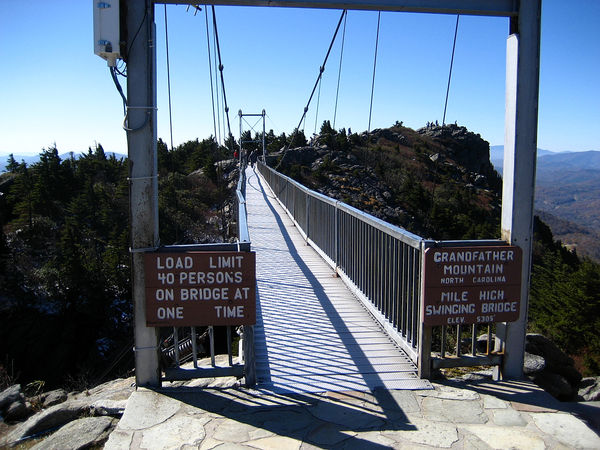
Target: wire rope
<point>212,93</point>
<point>218,88</point>
<point>318,101</point>
<point>450,73</point>
<point>321,70</point>
<point>374,67</point>
<point>221,71</point>
<point>337,91</point>
<point>168,77</point>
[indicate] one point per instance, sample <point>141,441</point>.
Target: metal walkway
<point>312,334</point>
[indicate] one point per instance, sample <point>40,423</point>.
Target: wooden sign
<point>200,288</point>
<point>466,285</point>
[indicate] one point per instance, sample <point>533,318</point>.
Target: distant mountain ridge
<point>32,159</point>
<point>567,195</point>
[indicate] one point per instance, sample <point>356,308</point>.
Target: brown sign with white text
<point>200,288</point>
<point>466,285</point>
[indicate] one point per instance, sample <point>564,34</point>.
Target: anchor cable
<point>450,73</point>
<point>374,67</point>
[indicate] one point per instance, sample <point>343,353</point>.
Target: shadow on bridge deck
<point>312,334</point>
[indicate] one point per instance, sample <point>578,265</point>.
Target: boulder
<point>13,405</point>
<point>533,364</point>
<point>54,397</point>
<point>555,384</point>
<point>537,344</point>
<point>82,433</point>
<point>589,389</point>
<point>10,395</point>
<point>550,368</point>
<point>46,420</point>
<point>18,410</point>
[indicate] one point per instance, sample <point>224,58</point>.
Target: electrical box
<point>107,36</point>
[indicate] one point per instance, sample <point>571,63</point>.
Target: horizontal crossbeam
<point>503,8</point>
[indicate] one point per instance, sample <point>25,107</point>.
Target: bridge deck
<point>312,334</point>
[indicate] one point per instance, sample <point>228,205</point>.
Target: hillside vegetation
<point>65,295</point>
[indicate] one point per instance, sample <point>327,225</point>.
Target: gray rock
<point>10,395</point>
<point>81,433</point>
<point>54,397</point>
<point>481,344</point>
<point>533,364</point>
<point>537,344</point>
<point>555,384</point>
<point>589,389</point>
<point>18,410</point>
<point>48,419</point>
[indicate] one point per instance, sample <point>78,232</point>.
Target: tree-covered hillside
<point>65,300</point>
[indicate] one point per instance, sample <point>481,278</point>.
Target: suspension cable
<point>168,77</point>
<point>321,70</point>
<point>337,91</point>
<point>220,121</point>
<point>374,67</point>
<point>450,73</point>
<point>212,94</point>
<point>221,70</point>
<point>318,101</point>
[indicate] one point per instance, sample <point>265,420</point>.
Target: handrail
<point>382,264</point>
<point>243,233</point>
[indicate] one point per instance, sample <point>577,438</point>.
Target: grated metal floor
<point>312,334</point>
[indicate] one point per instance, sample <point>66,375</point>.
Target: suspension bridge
<point>346,311</point>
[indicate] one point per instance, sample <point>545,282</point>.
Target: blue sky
<point>55,90</point>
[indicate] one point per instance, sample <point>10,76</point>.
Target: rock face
<point>108,400</point>
<point>465,147</point>
<point>13,405</point>
<point>548,367</point>
<point>589,389</point>
<point>81,433</point>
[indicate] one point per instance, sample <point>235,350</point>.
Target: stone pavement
<point>481,415</point>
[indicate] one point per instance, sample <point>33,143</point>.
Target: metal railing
<point>184,344</point>
<point>383,265</point>
<point>380,262</point>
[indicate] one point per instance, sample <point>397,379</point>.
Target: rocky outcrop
<point>550,368</point>
<point>463,146</point>
<point>589,389</point>
<point>81,433</point>
<point>108,399</point>
<point>13,405</point>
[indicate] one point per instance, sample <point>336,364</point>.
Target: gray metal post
<point>263,139</point>
<point>520,147</point>
<point>141,142</point>
<point>425,332</point>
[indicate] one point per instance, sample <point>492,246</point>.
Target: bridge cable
<point>221,70</point>
<point>212,94</point>
<point>318,101</point>
<point>374,67</point>
<point>219,102</point>
<point>450,73</point>
<point>168,77</point>
<point>321,70</point>
<point>337,91</point>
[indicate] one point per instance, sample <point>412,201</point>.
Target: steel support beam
<point>143,193</point>
<point>520,148</point>
<point>507,8</point>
